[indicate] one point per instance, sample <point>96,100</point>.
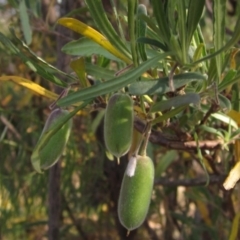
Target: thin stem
<point>143,151</point>
<point>117,18</point>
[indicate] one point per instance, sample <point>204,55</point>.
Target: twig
<point>191,182</point>
<point>159,138</point>
<point>10,127</point>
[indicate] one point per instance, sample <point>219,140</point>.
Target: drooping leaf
<point>176,102</point>
<point>94,35</point>
<point>161,85</point>
<point>112,85</point>
<point>86,47</point>
<point>34,87</point>
<point>42,69</point>
<point>152,42</point>
<point>100,18</point>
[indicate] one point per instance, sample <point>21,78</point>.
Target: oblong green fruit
<point>136,191</point>
<point>118,124</point>
<point>51,151</point>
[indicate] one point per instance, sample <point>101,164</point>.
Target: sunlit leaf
<point>37,89</point>
<point>232,177</point>
<point>78,66</point>
<point>235,116</point>
<point>235,227</point>
<point>94,35</point>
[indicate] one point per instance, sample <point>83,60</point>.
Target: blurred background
<point>31,207</point>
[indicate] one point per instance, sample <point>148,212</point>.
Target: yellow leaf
<point>78,67</point>
<point>235,116</point>
<point>94,35</point>
<point>37,89</point>
<point>235,226</point>
<point>202,207</point>
<point>233,177</point>
<point>237,150</point>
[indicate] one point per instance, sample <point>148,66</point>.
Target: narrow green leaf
<point>182,29</point>
<point>235,38</point>
<point>224,118</point>
<point>195,9</point>
<point>132,6</point>
<point>141,29</point>
<point>48,67</point>
<point>226,82</point>
<point>27,31</point>
<point>169,114</point>
<point>162,20</point>
<point>100,18</point>
<point>112,85</point>
<point>86,47</point>
<point>211,130</point>
<point>219,9</point>
<point>161,85</point>
<point>176,102</point>
<point>152,42</point>
<point>99,72</point>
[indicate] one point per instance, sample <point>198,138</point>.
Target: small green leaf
<point>195,9</point>
<point>176,102</point>
<point>99,72</point>
<point>86,47</point>
<point>152,42</point>
<point>210,130</point>
<point>225,103</point>
<point>169,114</point>
<point>27,31</point>
<point>161,85</point>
